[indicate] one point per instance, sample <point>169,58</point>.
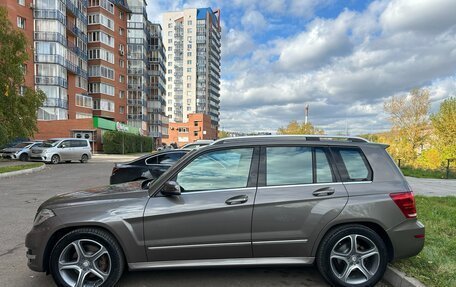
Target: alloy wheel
<point>84,262</point>
<point>355,259</point>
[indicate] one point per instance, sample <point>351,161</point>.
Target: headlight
<point>42,216</point>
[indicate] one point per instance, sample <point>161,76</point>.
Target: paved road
<point>433,187</point>
<point>21,196</point>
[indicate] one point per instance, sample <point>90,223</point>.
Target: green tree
<point>410,124</point>
<point>18,104</point>
<point>223,134</point>
<point>296,128</point>
<point>444,124</point>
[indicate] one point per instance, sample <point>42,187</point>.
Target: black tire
<point>99,236</point>
<point>336,236</point>
<point>55,159</point>
<point>84,158</point>
<point>24,157</point>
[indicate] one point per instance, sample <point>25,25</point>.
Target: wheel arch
<point>58,234</point>
<point>377,228</point>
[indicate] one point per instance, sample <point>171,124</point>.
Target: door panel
<point>199,225</point>
<point>212,218</point>
<point>286,219</point>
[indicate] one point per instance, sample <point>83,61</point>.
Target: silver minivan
<point>62,150</point>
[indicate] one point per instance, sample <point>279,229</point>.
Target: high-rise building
<point>192,43</point>
<point>137,65</point>
<point>156,67</point>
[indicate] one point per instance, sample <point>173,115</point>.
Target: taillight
<point>406,203</point>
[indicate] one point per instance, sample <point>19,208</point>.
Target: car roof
<point>293,139</point>
<point>59,139</point>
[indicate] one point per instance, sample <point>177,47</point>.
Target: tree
<point>223,134</point>
<point>444,124</point>
<point>18,104</point>
<point>409,118</point>
<point>296,128</point>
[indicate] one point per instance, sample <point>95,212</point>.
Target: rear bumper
<point>407,238</point>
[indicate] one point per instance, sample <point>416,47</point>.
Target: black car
<point>146,167</point>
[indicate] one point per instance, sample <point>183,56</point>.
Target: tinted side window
<point>354,165</point>
<point>65,144</point>
<point>323,167</point>
<point>169,158</point>
<point>222,169</point>
<point>288,165</point>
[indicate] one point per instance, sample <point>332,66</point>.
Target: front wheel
<point>24,157</point>
<point>86,257</point>
<point>352,256</point>
<point>55,159</point>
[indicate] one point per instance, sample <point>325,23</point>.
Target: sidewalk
<point>11,162</point>
<point>432,187</point>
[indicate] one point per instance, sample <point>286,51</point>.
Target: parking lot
<point>20,196</point>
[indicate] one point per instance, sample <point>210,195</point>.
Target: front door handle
<point>237,200</point>
<point>325,191</point>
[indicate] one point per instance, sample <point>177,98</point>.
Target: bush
<point>120,142</point>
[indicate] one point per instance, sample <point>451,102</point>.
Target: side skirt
<point>222,263</point>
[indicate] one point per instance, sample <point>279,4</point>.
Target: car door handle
<point>325,191</point>
<point>237,200</point>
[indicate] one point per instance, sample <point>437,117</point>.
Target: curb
<point>400,279</point>
<point>22,172</point>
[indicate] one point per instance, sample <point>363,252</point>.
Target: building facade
<point>192,43</point>
<point>197,127</point>
<point>156,89</point>
<point>78,61</point>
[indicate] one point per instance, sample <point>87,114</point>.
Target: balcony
<point>49,14</point>
<point>75,11</point>
<point>51,80</point>
<point>76,31</point>
<point>135,102</point>
<point>46,58</point>
<point>137,117</point>
<point>50,36</point>
<point>78,51</point>
<point>58,103</point>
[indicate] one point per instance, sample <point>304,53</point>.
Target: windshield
<point>21,145</point>
<point>50,143</point>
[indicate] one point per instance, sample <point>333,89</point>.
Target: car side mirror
<point>171,188</point>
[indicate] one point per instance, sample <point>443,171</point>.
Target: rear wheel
<point>86,257</point>
<point>352,255</point>
<point>24,157</point>
<point>55,159</point>
<point>84,158</point>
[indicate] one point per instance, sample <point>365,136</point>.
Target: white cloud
<point>254,20</point>
<point>236,43</point>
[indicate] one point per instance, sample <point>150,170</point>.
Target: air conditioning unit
<point>32,6</point>
<point>121,52</point>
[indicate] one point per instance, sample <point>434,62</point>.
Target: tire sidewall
<point>116,258</point>
<point>23,157</point>
<point>323,257</point>
<point>55,156</point>
<point>84,158</point>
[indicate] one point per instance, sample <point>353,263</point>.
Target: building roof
<point>202,12</point>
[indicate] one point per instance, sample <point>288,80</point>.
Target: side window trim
<point>344,176</point>
<point>337,179</point>
<point>252,177</point>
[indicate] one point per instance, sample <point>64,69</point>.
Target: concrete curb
<point>400,279</point>
<point>22,172</point>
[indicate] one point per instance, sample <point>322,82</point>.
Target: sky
<point>343,58</point>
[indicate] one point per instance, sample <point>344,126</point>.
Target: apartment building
<point>197,127</point>
<point>156,89</point>
<point>192,43</point>
<point>78,61</point>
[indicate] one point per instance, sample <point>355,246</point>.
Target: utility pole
<point>306,113</point>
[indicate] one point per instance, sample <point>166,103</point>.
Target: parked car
<point>62,149</point>
<point>145,167</point>
<point>20,151</point>
<point>295,200</point>
<point>197,144</point>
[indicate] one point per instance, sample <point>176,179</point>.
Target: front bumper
<point>9,155</point>
<point>407,238</point>
<point>36,242</point>
<point>40,157</point>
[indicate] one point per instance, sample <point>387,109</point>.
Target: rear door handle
<point>325,191</point>
<point>240,199</point>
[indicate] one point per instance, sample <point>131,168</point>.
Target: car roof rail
<point>295,137</point>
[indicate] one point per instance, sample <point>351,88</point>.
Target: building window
<point>170,71</point>
<point>20,22</point>
<point>83,116</point>
<point>170,109</point>
<point>170,33</point>
<point>21,2</point>
<point>189,39</point>
<point>189,62</point>
<point>121,78</point>
<point>104,105</point>
<point>121,31</point>
<point>189,70</point>
<point>170,79</point>
<point>84,101</point>
<point>170,25</point>
<point>122,63</point>
<point>101,71</point>
<point>189,46</point>
<point>189,102</point>
<point>189,85</point>
<point>121,94</point>
<point>182,130</point>
<point>170,41</point>
<point>122,110</point>
<point>170,64</point>
<point>195,133</point>
<point>121,16</point>
<point>101,88</point>
<point>101,19</point>
<point>170,49</point>
<point>189,30</point>
<point>189,109</point>
<point>195,123</point>
<point>189,54</point>
<point>189,22</point>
